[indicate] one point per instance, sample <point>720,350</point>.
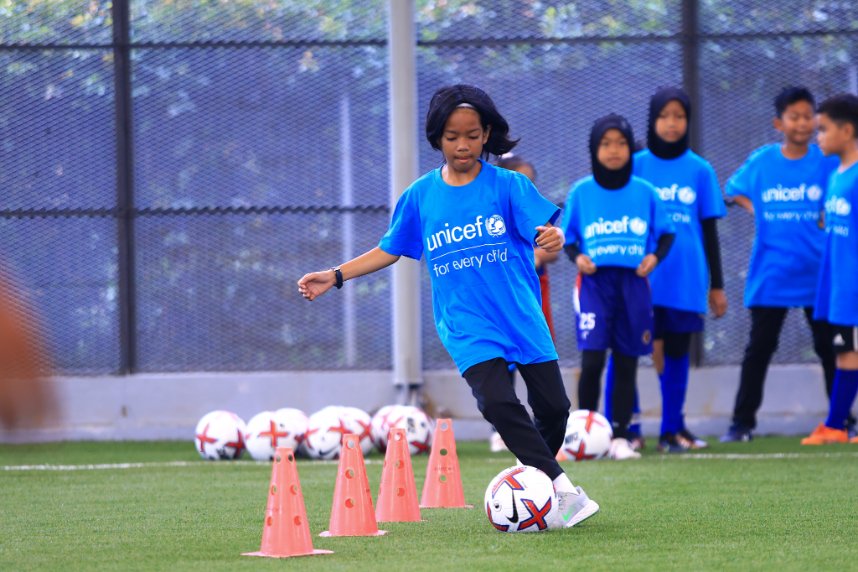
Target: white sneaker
<point>621,450</point>
<point>496,444</point>
<point>574,508</point>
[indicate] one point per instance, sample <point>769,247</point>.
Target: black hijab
<point>608,178</point>
<point>658,146</point>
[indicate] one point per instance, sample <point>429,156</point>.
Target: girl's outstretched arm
<point>314,284</point>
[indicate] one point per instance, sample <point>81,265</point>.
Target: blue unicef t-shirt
<point>478,240</point>
<point>689,190</point>
<point>837,295</point>
<point>614,227</point>
<point>787,195</point>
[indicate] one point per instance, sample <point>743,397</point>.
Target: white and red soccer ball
<point>266,432</point>
<point>359,423</point>
<point>295,422</point>
<point>220,435</point>
<point>588,436</point>
<point>418,426</point>
<point>324,436</point>
<point>521,499</point>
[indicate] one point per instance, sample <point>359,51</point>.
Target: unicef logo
<point>687,195</point>
<point>495,225</point>
<point>842,207</point>
<point>638,226</point>
<point>814,193</point>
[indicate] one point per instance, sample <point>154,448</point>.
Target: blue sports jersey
<point>478,240</point>
<point>837,295</point>
<point>614,227</point>
<point>689,189</point>
<point>787,195</point>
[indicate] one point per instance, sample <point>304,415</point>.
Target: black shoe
<point>668,443</point>
<point>851,429</point>
<point>690,441</point>
<point>736,434</point>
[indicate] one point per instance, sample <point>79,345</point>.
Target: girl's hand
<point>585,264</point>
<point>550,238</point>
<point>314,284</point>
<point>647,265</point>
<point>718,302</point>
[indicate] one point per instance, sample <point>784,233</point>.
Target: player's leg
<point>636,438</point>
<point>500,406</point>
<point>496,444</point>
<point>824,348</point>
<point>589,380</point>
<point>625,380</point>
<point>548,401</point>
<point>845,389</point>
<point>766,324</point>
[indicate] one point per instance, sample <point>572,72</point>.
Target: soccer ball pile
<point>224,435</point>
<point>588,435</point>
<point>521,499</point>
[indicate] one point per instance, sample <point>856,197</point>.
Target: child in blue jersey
<point>610,219</point>
<point>837,295</point>
<point>683,282</point>
<point>477,226</point>
<point>783,186</point>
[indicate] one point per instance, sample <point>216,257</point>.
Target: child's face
<point>613,150</point>
<point>672,123</point>
<point>833,139</point>
<point>463,139</point>
<point>797,123</point>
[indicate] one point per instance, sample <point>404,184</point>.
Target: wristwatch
<point>339,277</point>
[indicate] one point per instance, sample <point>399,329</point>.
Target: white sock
<point>562,484</point>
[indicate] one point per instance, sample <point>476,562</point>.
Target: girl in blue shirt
<point>611,219</point>
<point>477,226</point>
<point>691,275</point>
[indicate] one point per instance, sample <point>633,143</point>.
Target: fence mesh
<point>260,150</point>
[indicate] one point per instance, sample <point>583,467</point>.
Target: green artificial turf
<point>766,505</point>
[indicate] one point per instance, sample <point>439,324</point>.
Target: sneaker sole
<point>586,512</point>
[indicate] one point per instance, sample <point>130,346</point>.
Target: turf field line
<point>155,465</point>
<point>760,456</point>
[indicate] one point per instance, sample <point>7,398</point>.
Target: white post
<point>347,200</point>
<point>401,45</point>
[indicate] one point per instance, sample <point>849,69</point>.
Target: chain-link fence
<point>170,168</point>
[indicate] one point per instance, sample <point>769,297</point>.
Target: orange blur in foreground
<point>26,399</point>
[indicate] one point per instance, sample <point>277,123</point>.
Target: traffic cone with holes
<point>397,493</point>
<point>351,511</point>
<point>285,532</point>
<point>443,485</point>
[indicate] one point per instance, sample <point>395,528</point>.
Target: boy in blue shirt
<point>782,185</point>
<point>691,275</point>
<point>837,295</point>
<point>477,226</point>
<point>611,219</point>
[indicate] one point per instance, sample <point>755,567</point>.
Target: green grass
<point>762,511</point>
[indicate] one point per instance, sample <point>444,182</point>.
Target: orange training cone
<point>351,511</point>
<point>397,493</point>
<point>443,485</point>
<point>286,531</point>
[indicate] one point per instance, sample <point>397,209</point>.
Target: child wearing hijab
<point>687,185</point>
<point>612,220</point>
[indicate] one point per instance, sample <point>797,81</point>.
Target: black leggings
<point>676,345</point>
<point>625,379</point>
<point>533,442</point>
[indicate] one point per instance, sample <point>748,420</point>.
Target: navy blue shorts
<point>673,321</point>
<point>614,311</point>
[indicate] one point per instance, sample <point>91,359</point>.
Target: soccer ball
<point>588,435</point>
<point>264,434</point>
<point>324,436</point>
<point>521,499</point>
<point>294,421</point>
<point>380,426</point>
<point>417,425</point>
<point>220,435</point>
<point>360,423</point>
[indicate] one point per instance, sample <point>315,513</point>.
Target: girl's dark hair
<point>448,98</point>
<point>841,108</point>
<point>792,94</point>
<point>514,163</point>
